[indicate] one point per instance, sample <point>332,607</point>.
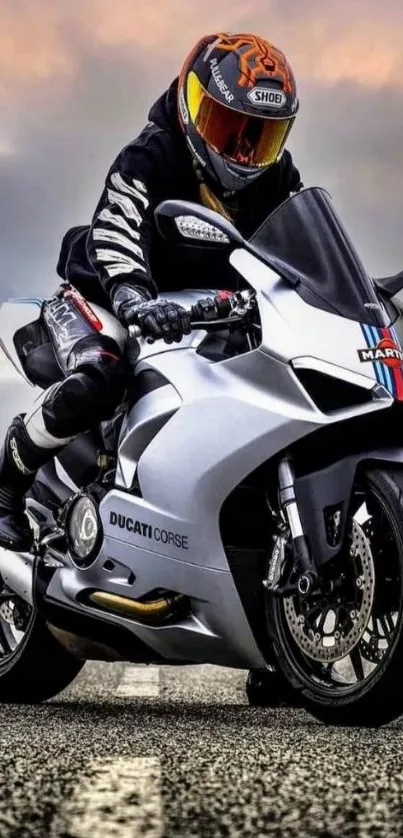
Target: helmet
<point>237,102</point>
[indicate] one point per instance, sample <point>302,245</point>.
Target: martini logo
<point>267,97</point>
<point>387,352</point>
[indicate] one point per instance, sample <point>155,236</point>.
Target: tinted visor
<point>249,140</point>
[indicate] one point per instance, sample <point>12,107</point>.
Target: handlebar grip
<point>134,331</point>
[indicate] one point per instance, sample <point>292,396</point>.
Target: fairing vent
<point>330,394</point>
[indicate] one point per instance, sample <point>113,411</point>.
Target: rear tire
<point>377,697</point>
<point>39,668</point>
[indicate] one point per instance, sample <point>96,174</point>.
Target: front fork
<point>303,577</point>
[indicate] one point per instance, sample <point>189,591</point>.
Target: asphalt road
<point>139,751</point>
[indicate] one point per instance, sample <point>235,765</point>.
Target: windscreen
<point>306,243</point>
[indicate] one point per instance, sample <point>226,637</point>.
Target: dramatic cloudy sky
<point>77,78</point>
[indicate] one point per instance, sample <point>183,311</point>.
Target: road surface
<point>134,751</point>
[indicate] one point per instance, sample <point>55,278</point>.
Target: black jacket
<point>123,244</point>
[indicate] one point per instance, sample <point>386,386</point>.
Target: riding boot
<point>20,458</point>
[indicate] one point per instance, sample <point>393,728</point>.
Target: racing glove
<point>156,318</point>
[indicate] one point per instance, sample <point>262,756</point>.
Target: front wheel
<point>343,649</point>
<point>33,665</point>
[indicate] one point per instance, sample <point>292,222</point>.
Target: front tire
<point>364,687</point>
<point>33,665</point>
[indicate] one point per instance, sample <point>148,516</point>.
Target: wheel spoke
<point>4,641</point>
<point>361,514</point>
<point>322,620</point>
<point>356,660</point>
<point>386,628</point>
<point>325,670</point>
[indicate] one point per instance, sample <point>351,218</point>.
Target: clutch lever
<point>135,331</point>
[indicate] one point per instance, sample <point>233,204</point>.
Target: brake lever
<point>244,304</point>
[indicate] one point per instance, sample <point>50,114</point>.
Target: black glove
<point>156,318</point>
<point>125,300</point>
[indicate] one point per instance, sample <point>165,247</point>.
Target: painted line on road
<point>139,681</point>
<point>122,799</point>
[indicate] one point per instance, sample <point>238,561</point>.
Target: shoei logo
<point>387,351</point>
<point>267,97</point>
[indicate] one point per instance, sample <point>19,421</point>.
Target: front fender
<point>332,487</point>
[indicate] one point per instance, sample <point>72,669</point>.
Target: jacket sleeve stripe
<point>126,263</point>
<point>114,237</point>
<point>121,185</point>
<point>139,185</point>
<point>118,269</point>
<point>117,221</point>
<point>126,205</point>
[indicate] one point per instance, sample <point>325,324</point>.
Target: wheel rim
<point>328,628</point>
<point>15,617</point>
<point>366,621</point>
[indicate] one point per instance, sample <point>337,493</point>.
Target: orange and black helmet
<point>237,101</point>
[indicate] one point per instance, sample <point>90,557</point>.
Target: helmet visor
<point>248,140</point>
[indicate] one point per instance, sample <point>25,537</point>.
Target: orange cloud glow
<point>31,44</point>
<point>48,39</point>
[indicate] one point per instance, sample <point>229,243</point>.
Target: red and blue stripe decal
<point>390,376</point>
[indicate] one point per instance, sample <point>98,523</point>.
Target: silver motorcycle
<point>244,508</point>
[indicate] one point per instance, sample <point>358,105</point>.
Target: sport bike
<point>244,507</point>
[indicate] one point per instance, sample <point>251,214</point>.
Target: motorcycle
<point>244,508</point>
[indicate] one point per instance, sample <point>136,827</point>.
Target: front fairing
<point>316,300</point>
<point>293,329</point>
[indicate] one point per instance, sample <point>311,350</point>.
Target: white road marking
<point>122,799</point>
<point>139,681</point>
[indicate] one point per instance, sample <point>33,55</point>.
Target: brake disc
<point>329,638</point>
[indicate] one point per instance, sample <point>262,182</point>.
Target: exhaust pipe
<point>17,572</point>
<point>148,612</point>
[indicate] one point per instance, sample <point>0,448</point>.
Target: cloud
<point>329,41</point>
<point>52,39</point>
<point>349,139</point>
<point>77,78</point>
<point>32,44</point>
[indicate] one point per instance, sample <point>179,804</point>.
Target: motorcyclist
<point>216,137</point>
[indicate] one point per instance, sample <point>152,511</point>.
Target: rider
<point>216,137</point>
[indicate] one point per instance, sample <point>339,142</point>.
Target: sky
<point>77,78</point>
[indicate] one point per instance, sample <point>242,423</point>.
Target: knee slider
<point>87,396</point>
<point>98,357</point>
<point>95,351</point>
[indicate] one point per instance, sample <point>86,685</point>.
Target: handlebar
<point>134,331</point>
<point>224,309</point>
